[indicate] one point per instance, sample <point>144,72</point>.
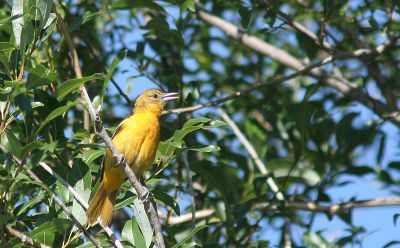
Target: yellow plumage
<point>137,139</point>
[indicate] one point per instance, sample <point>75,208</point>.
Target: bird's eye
<point>155,96</point>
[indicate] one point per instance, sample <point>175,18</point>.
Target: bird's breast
<point>146,140</point>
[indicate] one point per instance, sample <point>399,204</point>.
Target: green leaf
<point>229,187</point>
<point>73,84</point>
<point>125,202</point>
<point>45,7</point>
<point>49,27</point>
<point>82,19</point>
<point>40,76</point>
<point>27,37</point>
<point>309,176</point>
<point>77,209</point>
<point>132,227</point>
<point>6,64</point>
<point>143,221</point>
<point>381,150</point>
<point>209,148</point>
<point>190,234</point>
<point>128,4</point>
<point>316,240</point>
<point>395,218</point>
<point>56,113</point>
<point>190,5</point>
<point>28,204</point>
<point>89,156</point>
<point>167,148</point>
<point>11,142</point>
<point>167,200</point>
<point>17,23</point>
<point>7,46</point>
<point>45,233</point>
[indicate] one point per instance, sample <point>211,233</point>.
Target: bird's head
<point>153,101</point>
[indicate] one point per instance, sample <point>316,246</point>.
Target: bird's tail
<point>102,205</point>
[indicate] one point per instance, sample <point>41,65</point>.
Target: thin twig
<point>253,154</point>
<point>298,26</point>
<point>121,92</point>
<point>26,239</point>
<point>287,241</point>
<point>81,202</point>
<point>191,191</point>
<point>258,85</point>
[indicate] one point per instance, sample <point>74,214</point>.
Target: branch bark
<point>26,239</point>
<point>253,154</point>
<point>81,202</point>
<point>333,209</point>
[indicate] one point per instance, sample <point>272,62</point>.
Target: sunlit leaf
<point>131,233</point>
<point>73,84</point>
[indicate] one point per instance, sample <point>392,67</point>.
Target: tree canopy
<point>282,104</point>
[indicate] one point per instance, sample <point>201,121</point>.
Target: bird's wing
<point>117,130</point>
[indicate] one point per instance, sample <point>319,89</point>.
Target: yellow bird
<point>137,139</point>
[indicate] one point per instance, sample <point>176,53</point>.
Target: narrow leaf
<point>18,23</point>
<point>132,234</point>
<point>73,84</point>
<point>56,113</point>
<point>143,221</point>
<point>195,230</point>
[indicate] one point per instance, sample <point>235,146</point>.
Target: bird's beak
<point>170,96</point>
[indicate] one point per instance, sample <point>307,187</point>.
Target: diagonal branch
<point>26,239</point>
<point>253,154</point>
<point>258,85</point>
<point>142,191</point>
<point>79,199</point>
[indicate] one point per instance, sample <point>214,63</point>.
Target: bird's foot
<point>147,196</point>
<point>120,159</point>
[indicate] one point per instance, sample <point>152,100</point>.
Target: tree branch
<point>336,81</point>
<point>258,85</point>
<point>298,26</point>
<point>298,206</point>
<point>121,92</point>
<point>142,191</point>
<point>26,239</point>
<point>53,196</point>
<point>336,208</point>
<point>81,202</point>
<point>253,154</point>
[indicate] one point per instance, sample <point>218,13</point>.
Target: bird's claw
<point>146,196</point>
<point>120,159</point>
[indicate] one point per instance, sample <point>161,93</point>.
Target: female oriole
<point>137,139</point>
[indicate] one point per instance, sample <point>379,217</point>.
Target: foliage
<point>310,135</point>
